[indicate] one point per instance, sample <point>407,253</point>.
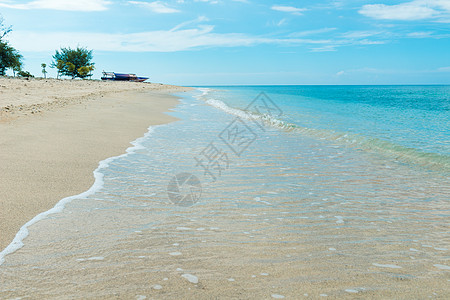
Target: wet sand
<point>53,133</point>
<point>313,226</point>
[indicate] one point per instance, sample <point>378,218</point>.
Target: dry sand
<point>53,133</point>
<point>289,248</point>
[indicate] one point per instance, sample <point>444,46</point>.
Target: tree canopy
<point>73,62</point>
<point>10,58</point>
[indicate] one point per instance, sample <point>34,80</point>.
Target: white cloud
<point>420,34</point>
<point>156,6</point>
<point>340,73</point>
<point>281,22</point>
<point>67,5</point>
<point>312,32</point>
<point>178,38</point>
<point>190,35</point>
<point>327,48</point>
<point>369,42</point>
<point>443,4</point>
<point>288,9</point>
<point>190,22</point>
<point>443,69</point>
<point>208,1</point>
<point>408,11</point>
<point>405,11</point>
<point>359,34</point>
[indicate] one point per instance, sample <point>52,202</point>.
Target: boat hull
<point>122,77</point>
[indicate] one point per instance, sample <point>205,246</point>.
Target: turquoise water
<point>310,191</point>
<point>410,121</point>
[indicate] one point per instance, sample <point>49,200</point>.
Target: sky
<point>242,42</point>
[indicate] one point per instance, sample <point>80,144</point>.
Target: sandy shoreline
<point>53,133</point>
<point>295,216</point>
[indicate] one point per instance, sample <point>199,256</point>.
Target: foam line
<point>18,243</point>
<point>431,161</point>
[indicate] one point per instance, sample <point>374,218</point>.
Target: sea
<point>258,192</point>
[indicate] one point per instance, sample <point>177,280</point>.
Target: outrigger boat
<point>122,77</point>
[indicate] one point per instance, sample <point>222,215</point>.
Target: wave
<point>18,243</point>
<point>432,161</point>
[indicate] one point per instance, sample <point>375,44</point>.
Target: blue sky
<point>220,42</point>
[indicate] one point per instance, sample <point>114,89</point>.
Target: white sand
<point>53,133</point>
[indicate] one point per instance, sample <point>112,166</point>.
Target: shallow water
<point>280,213</point>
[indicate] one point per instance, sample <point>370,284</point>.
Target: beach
<point>299,150</point>
<point>286,192</point>
<point>53,133</point>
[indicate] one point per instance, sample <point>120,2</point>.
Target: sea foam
<point>18,241</point>
<point>428,160</point>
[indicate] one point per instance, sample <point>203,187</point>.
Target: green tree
<point>44,71</point>
<point>9,57</point>
<point>25,74</point>
<point>68,61</point>
<point>60,66</point>
<point>86,71</point>
<point>83,71</point>
<point>71,69</point>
